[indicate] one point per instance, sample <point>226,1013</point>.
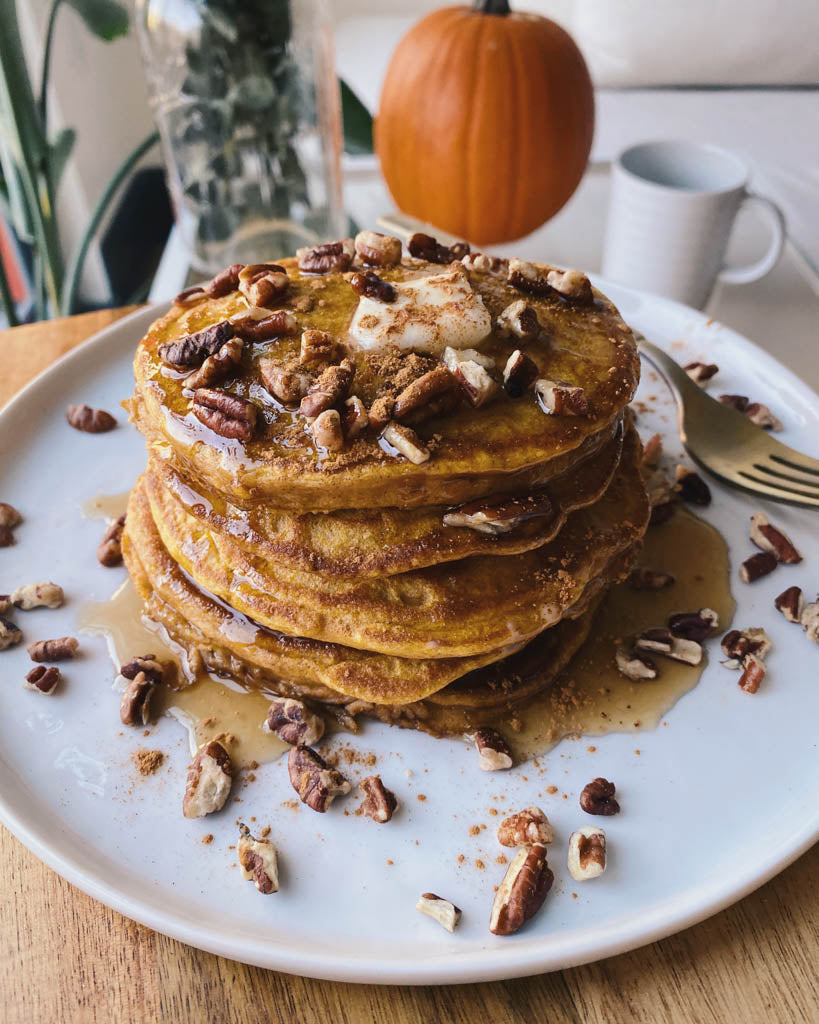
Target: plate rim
<point>490,963</point>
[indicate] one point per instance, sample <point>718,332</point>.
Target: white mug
<point>671,210</point>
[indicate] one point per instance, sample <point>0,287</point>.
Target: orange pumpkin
<point>485,122</point>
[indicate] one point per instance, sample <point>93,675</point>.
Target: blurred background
<point>254,157</point>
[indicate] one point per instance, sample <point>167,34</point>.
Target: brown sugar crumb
<point>422,797</point>
<point>251,777</point>
<point>146,732</point>
<point>551,789</point>
<point>501,859</point>
<point>148,761</point>
<point>574,895</point>
<point>590,750</point>
<point>479,864</point>
<point>208,721</point>
<point>253,766</point>
<point>292,805</point>
<point>461,858</point>
<point>493,811</point>
<point>637,752</point>
<point>208,838</point>
<point>390,863</point>
<point>264,831</point>
<point>474,831</point>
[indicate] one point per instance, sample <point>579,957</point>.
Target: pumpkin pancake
<point>507,444</point>
<point>456,609</point>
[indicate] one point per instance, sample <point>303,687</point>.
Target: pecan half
<point>519,374</point>
<point>519,319</point>
<point>642,578</point>
<point>319,349</point>
<point>810,621</point>
<point>634,666</point>
<point>753,672</point>
<point>9,516</point>
<point>218,366</point>
<point>314,780</point>
<point>225,281</point>
<point>404,440</point>
<point>372,286</point>
<point>328,258</point>
<point>757,566</point>
<point>258,324</point>
<point>147,664</point>
<point>377,250</point>
<point>691,487</point>
<point>292,722</point>
<point>557,398</point>
<point>501,518</point>
<point>762,416</point>
<point>225,414</point>
<point>43,680</point>
<point>425,247</point>
<point>769,538</point>
<point>791,603</point>
<point>289,386</point>
<point>587,853</point>
<point>258,861</point>
<point>37,595</point>
<point>9,634</point>
<point>700,373</point>
<point>526,277</point>
<point>494,753</point>
<point>445,913</point>
<point>209,780</point>
<point>422,392</point>
<point>190,296</point>
<point>522,892</point>
<point>526,828</point>
<point>354,417</point>
<point>598,798</point>
<point>737,643</point>
<point>379,802</point>
<point>330,388</point>
<point>88,420</point>
<point>109,551</point>
<point>193,349</point>
<point>135,704</point>
<point>694,625</point>
<point>60,649</point>
<point>263,284</point>
<point>572,285</point>
<point>380,412</point>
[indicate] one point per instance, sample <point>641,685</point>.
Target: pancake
<point>507,444</point>
<point>453,610</point>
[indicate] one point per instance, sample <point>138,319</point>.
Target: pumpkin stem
<point>491,7</point>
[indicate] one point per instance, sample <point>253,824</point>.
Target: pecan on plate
<point>331,257</point>
<point>791,603</point>
<point>218,366</point>
<point>225,414</point>
<point>263,284</point>
<point>193,349</point>
<point>697,625</point>
<point>634,665</point>
<point>642,578</point>
<point>572,285</point>
<point>587,853</point>
<point>526,828</point>
<point>225,282</point>
<point>9,634</point>
<point>37,595</point>
<point>148,664</point>
<point>494,753</point>
<point>209,780</point>
<point>691,487</point>
<point>377,250</point>
<point>372,286</point>
<point>737,643</point>
<point>810,621</point>
<point>109,551</point>
<point>43,679</point>
<point>522,892</point>
<point>6,536</point>
<point>767,537</point>
<point>757,566</point>
<point>753,672</point>
<point>9,516</point>
<point>314,780</point>
<point>425,247</point>
<point>443,911</point>
<point>762,416</point>
<point>379,802</point>
<point>598,798</point>
<point>293,723</point>
<point>88,420</point>
<point>701,373</point>
<point>258,861</point>
<point>60,649</point>
<point>135,704</point>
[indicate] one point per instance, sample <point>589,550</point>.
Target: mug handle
<point>754,271</point>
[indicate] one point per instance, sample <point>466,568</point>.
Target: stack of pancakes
<point>341,577</point>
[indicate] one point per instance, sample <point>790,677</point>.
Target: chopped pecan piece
<point>209,780</point>
<point>494,753</point>
<point>148,665</point>
<point>190,296</point>
<point>526,277</point>
<point>380,412</point>
<point>330,388</point>
<point>9,516</point>
<point>738,402</point>
<point>475,382</point>
<point>354,417</point>
<point>135,704</point>
<point>372,286</point>
<point>791,603</point>
<point>377,250</point>
<point>762,416</point>
<point>379,802</point>
<point>691,487</point>
<point>522,892</point>
<point>37,595</point>
<point>291,721</point>
<point>263,284</point>
<point>650,579</point>
<point>225,281</point>
<point>737,643</point>
<point>43,680</point>
<point>501,518</point>
<point>526,828</point>
<point>657,639</point>
<point>327,430</point>
<point>519,373</point>
<point>519,319</point>
<point>769,538</point>
<point>587,853</point>
<point>701,373</point>
<point>635,666</point>
<point>258,861</point>
<point>314,780</point>
<point>445,913</point>
<point>483,261</point>
<point>423,391</point>
<point>557,398</point>
<point>452,356</point>
<point>258,324</point>
<point>194,349</point>
<point>405,441</point>
<point>753,672</point>
<point>225,414</point>
<point>329,258</point>
<point>218,366</point>
<point>88,420</point>
<point>694,625</point>
<point>757,566</point>
<point>810,621</point>
<point>425,247</point>
<point>289,386</point>
<point>598,798</point>
<point>109,551</point>
<point>652,452</point>
<point>60,649</point>
<point>572,285</point>
<point>6,537</point>
<point>319,349</point>
<point>9,634</point>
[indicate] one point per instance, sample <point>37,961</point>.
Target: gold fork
<point>726,443</point>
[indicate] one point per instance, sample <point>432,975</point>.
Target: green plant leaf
<point>358,122</point>
<point>58,153</point>
<point>105,18</point>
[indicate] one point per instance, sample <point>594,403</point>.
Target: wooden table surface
<point>65,958</point>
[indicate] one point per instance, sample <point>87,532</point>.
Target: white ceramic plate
<point>719,801</point>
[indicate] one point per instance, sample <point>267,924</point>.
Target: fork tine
<point>791,495</point>
<point>796,460</point>
<point>809,482</point>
